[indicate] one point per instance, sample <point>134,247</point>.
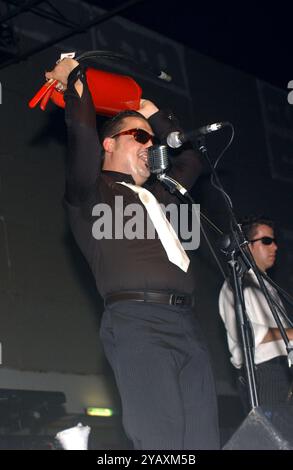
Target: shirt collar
<point>116,176</point>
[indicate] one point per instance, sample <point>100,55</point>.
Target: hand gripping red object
<point>111,93</point>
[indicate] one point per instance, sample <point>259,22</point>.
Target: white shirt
<point>260,317</point>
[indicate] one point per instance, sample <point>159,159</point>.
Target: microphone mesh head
<point>158,158</point>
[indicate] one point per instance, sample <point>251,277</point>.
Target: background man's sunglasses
<point>141,136</point>
<point>265,240</point>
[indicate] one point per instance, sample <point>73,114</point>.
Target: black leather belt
<point>164,298</point>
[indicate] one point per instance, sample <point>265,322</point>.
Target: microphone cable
<point>215,182</point>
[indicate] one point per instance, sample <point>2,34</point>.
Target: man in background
<point>273,376</point>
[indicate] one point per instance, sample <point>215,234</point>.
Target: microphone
<point>176,139</point>
<point>158,159</point>
<point>158,162</point>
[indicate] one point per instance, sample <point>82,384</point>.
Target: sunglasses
<point>265,240</point>
<point>140,135</point>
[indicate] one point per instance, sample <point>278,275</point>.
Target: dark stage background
<point>50,312</point>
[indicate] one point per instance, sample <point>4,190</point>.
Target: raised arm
<point>186,164</point>
<point>83,164</point>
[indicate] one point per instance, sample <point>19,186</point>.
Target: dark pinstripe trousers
<point>163,374</point>
<point>274,381</point>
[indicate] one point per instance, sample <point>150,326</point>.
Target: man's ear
<point>108,144</point>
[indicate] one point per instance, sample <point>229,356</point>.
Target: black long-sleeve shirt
<point>118,264</point>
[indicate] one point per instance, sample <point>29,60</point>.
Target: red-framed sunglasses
<point>140,135</point>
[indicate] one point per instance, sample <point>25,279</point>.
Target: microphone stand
<point>172,184</point>
<point>238,269</point>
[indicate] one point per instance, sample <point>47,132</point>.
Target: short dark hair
<point>114,125</point>
<point>250,224</point>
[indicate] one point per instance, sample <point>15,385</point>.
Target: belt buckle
<point>177,299</point>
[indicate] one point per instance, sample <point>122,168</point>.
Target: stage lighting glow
<point>105,412</point>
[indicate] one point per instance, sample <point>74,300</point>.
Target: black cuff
<point>163,122</point>
<point>75,74</point>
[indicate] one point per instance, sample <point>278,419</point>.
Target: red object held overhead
<point>111,93</point>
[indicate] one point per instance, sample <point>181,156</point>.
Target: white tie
<point>167,234</point>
